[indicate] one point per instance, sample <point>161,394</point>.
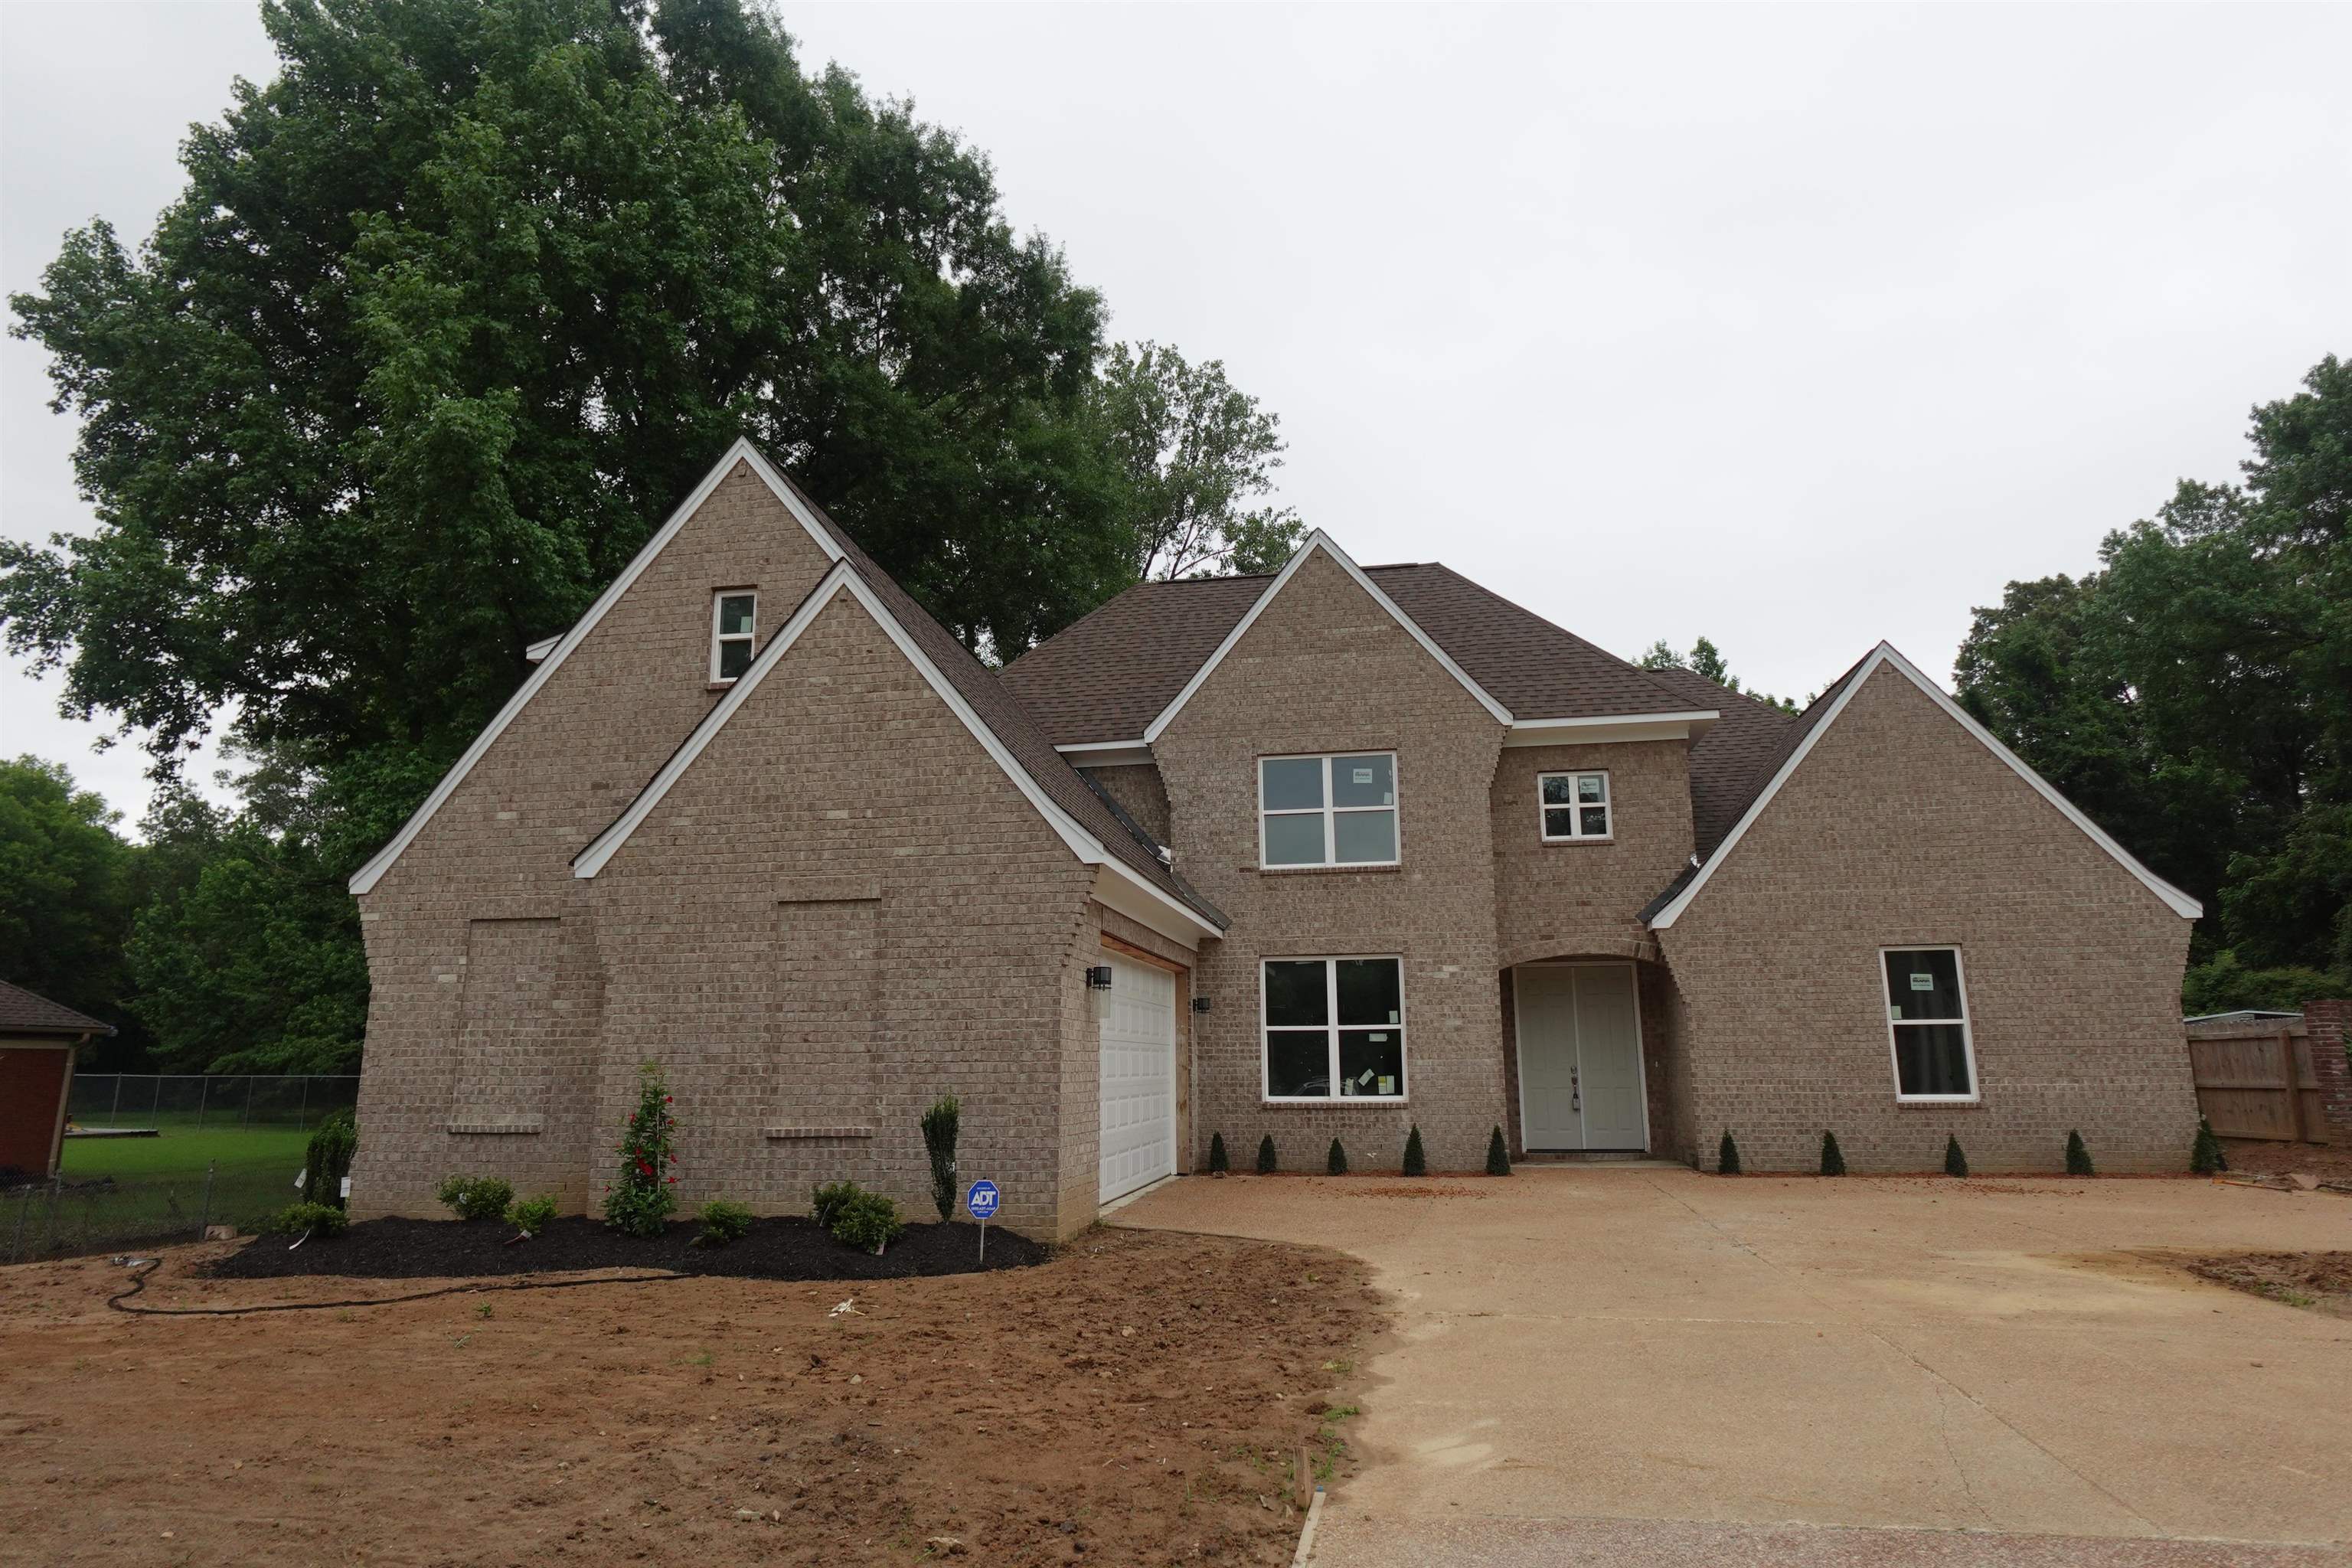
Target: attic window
<point>732,615</point>
<point>1575,806</point>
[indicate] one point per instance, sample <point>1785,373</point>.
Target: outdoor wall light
<point>1200,1004</point>
<point>1098,977</point>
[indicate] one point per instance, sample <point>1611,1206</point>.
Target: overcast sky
<point>1794,328</point>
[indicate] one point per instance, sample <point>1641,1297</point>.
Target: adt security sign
<point>981,1202</point>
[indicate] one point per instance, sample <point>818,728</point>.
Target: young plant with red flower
<point>641,1200</point>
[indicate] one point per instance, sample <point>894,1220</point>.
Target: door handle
<point>1575,1091</point>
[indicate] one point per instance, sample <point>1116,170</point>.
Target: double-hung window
<point>1334,1028</point>
<point>732,615</point>
<point>1574,806</point>
<point>1927,1015</point>
<point>1327,811</point>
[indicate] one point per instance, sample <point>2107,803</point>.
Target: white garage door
<point>1138,1077</point>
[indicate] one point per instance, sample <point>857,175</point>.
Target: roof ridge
<point>1572,637</point>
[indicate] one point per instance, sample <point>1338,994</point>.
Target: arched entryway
<point>1583,1054</point>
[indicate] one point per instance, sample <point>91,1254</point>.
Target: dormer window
<point>732,615</point>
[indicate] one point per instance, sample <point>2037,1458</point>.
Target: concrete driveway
<point>1787,1370</point>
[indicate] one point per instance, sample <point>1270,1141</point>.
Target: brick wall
<point>1140,793</point>
<point>2330,1025</point>
<point>1582,898</point>
<point>1325,668</point>
<point>1900,829</point>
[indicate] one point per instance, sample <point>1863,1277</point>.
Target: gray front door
<point>1580,1056</point>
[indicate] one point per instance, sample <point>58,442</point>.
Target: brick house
<point>1325,854</point>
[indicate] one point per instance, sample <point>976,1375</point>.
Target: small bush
<point>827,1202</point>
<point>1832,1157</point>
<point>477,1197</point>
<point>1498,1156</point>
<point>869,1222</point>
<point>2078,1156</point>
<point>1218,1163</point>
<point>2205,1156</point>
<point>1415,1163</point>
<point>532,1215</point>
<point>1335,1161</point>
<point>1726,1156</point>
<point>1955,1162</point>
<point>940,1126</point>
<point>1266,1161</point>
<point>723,1222</point>
<point>639,1202</point>
<point>327,1158</point>
<point>324,1219</point>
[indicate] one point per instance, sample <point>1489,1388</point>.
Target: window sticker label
<point>1894,1012</point>
<point>1392,1017</point>
<point>1923,983</point>
<point>1363,776</point>
<point>1379,1039</point>
<point>1388,1086</point>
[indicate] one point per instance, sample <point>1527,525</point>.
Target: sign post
<point>981,1200</point>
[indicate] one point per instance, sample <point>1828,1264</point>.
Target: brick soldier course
<point>871,870</point>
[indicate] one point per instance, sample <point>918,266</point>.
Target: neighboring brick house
<point>1325,854</point>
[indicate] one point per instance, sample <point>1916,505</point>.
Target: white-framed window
<point>1573,807</point>
<point>734,613</point>
<point>1332,1028</point>
<point>1927,1023</point>
<point>1338,810</point>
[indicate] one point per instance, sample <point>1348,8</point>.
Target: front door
<point>1580,1056</point>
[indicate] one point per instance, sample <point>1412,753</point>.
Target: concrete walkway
<point>1580,1348</point>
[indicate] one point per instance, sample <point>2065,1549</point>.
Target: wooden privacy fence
<point>2259,1077</point>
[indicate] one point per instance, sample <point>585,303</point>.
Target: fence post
<point>205,1214</point>
<point>2293,1071</point>
<point>17,1241</point>
<point>204,1092</point>
<point>302,1116</point>
<point>115,1115</point>
<point>56,1190</point>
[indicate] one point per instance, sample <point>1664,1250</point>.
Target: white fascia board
<point>1687,726</point>
<point>541,648</point>
<point>743,451</point>
<point>1316,541</point>
<point>2180,903</point>
<point>1107,753</point>
<point>1118,887</point>
<point>844,579</point>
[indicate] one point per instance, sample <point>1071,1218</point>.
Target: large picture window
<point>1334,1028</point>
<point>1327,811</point>
<point>1927,1015</point>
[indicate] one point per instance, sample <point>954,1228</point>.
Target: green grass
<point>177,1153</point>
<point>160,1189</point>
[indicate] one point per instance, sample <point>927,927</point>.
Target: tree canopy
<point>2194,695</point>
<point>1193,451</point>
<point>1706,660</point>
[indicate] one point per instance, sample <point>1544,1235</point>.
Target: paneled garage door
<point>1138,1077</point>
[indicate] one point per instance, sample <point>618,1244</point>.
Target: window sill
<point>1335,1101</point>
<point>496,1126</point>
<point>719,686</point>
<point>1573,843</point>
<point>1373,867</point>
<point>1937,1101</point>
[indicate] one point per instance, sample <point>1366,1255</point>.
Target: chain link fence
<point>63,1216</point>
<point>102,1100</point>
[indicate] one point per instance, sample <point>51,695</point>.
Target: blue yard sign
<point>981,1202</point>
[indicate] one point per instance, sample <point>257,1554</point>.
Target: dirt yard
<point>2321,1281</point>
<point>1136,1400</point>
<point>2250,1156</point>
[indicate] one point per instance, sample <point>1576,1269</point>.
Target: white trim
<point>1330,1028</point>
<point>1107,753</point>
<point>844,579</point>
<point>1281,579</point>
<point>743,451</point>
<point>1885,654</point>
<point>1331,811</point>
<point>719,639</point>
<point>538,651</point>
<point>1576,808</point>
<point>1968,1031</point>
<point>1611,727</point>
<point>1519,1045</point>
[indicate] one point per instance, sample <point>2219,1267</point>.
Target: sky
<point>1794,328</point>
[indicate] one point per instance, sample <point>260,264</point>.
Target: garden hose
<point>121,1300</point>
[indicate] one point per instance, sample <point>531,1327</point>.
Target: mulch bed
<point>785,1248</point>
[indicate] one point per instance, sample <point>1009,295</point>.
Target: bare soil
<point>2318,1281</point>
<point>1140,1398</point>
<point>2254,1157</point>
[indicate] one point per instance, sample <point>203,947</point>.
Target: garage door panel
<point>1138,1077</point>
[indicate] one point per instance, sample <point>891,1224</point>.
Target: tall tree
<point>1706,660</point>
<point>1193,452</point>
<point>69,886</point>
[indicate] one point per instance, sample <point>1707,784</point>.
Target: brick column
<point>2329,1023</point>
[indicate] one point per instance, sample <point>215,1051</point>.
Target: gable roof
<point>1774,769</point>
<point>1118,674</point>
<point>743,451</point>
<point>24,1013</point>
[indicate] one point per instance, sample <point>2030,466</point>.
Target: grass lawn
<point>176,1152</point>
<point>159,1191</point>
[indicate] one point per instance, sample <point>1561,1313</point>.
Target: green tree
<point>1707,660</point>
<point>1191,452</point>
<point>69,889</point>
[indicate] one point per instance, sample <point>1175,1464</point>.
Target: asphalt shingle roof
<point>23,1013</point>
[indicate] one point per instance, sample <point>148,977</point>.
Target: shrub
<point>940,1142</point>
<point>1415,1163</point>
<point>2078,1157</point>
<point>1218,1163</point>
<point>1726,1156</point>
<point>324,1219</point>
<point>1266,1161</point>
<point>723,1222</point>
<point>1335,1161</point>
<point>639,1203</point>
<point>1499,1157</point>
<point>1955,1162</point>
<point>532,1215</point>
<point>2205,1156</point>
<point>477,1197</point>
<point>1832,1157</point>
<point>867,1221</point>
<point>327,1159</point>
<point>828,1201</point>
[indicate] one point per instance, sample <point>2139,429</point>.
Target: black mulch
<point>786,1247</point>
